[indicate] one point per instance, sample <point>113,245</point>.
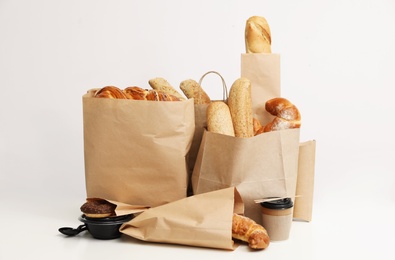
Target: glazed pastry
<point>110,92</point>
<point>98,208</point>
<point>287,115</point>
<point>246,229</point>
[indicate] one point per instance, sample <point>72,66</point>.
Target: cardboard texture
<point>135,151</point>
<point>262,166</point>
<point>203,220</point>
<point>263,70</point>
<point>303,205</point>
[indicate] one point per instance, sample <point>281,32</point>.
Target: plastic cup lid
<point>284,203</point>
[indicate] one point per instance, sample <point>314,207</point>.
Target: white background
<point>337,66</point>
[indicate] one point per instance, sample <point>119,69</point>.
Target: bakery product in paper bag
<point>246,229</point>
<point>192,89</point>
<point>219,119</point>
<point>163,85</point>
<point>110,92</point>
<point>138,93</point>
<point>257,35</point>
<point>287,115</point>
<point>240,105</point>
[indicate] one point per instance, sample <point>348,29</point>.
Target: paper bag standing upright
<point>135,150</point>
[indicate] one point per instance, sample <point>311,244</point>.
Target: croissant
<point>138,93</point>
<point>287,115</point>
<point>246,229</point>
<point>110,92</point>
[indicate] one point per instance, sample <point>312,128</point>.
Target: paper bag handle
<point>224,88</point>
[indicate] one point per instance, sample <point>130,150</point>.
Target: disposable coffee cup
<point>277,218</point>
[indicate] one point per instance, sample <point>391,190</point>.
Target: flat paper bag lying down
<point>203,220</point>
<point>135,150</point>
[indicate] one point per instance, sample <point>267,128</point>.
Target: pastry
<point>246,229</point>
<point>287,115</point>
<point>98,208</point>
<point>110,92</point>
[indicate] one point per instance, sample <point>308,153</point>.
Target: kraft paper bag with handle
<point>203,220</point>
<point>261,166</point>
<point>201,123</point>
<point>135,150</point>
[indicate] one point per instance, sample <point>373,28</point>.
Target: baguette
<point>162,84</point>
<point>257,35</point>
<point>240,105</point>
<point>219,119</point>
<point>192,89</point>
<point>246,229</point>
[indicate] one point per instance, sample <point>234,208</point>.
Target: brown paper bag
<point>203,220</point>
<point>263,70</point>
<point>135,151</point>
<point>303,206</point>
<point>262,166</point>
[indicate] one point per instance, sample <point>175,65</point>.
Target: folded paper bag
<point>203,220</point>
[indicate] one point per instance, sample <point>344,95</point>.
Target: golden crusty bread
<point>240,106</point>
<point>246,229</point>
<point>257,35</point>
<point>287,115</point>
<point>110,92</point>
<point>192,89</point>
<point>163,85</point>
<point>219,119</point>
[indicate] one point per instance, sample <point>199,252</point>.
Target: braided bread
<point>286,114</point>
<point>246,229</point>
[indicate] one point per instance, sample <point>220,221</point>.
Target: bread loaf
<point>163,85</point>
<point>246,229</point>
<point>287,115</point>
<point>219,119</point>
<point>240,106</point>
<point>257,35</point>
<point>192,89</point>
